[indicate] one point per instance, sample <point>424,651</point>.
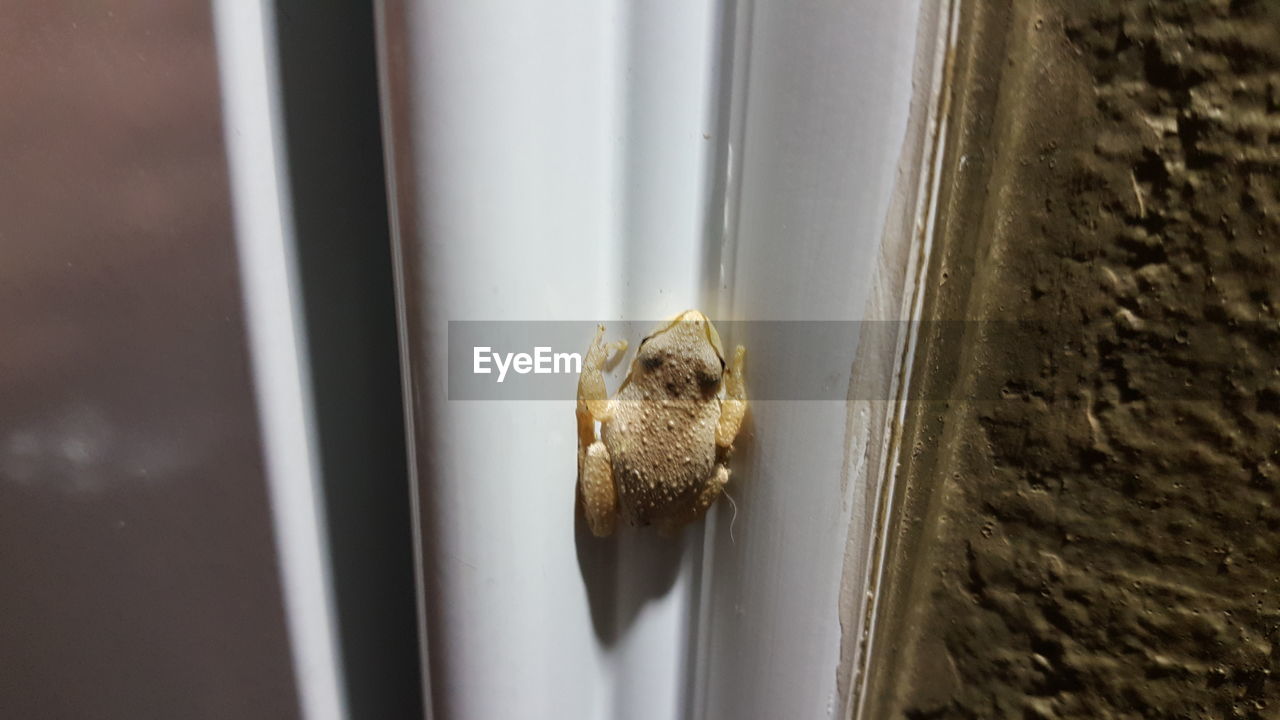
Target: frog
<point>661,456</point>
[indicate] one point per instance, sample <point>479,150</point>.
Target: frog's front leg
<point>595,471</point>
<point>593,398</point>
<point>734,407</point>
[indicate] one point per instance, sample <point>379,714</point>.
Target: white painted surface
<point>248,72</point>
<point>558,158</point>
<point>827,93</point>
<point>561,172</point>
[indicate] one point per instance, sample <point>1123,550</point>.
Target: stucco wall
<point>1089,522</point>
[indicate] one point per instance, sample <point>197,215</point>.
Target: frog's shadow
<point>623,572</point>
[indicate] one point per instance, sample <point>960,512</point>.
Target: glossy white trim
<point>248,71</point>
<point>600,160</point>
<point>824,123</point>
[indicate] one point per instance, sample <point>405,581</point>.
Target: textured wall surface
<point>1089,522</point>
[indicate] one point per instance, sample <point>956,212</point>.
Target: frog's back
<point>663,451</point>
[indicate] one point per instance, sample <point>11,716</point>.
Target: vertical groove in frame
<point>814,179</point>
<point>922,232</point>
<point>249,75</point>
<point>331,134</point>
<point>666,169</point>
<point>722,215</point>
<point>732,61</point>
<point>390,26</point>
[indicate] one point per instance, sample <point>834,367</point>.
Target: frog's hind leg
<point>734,406</point>
<point>595,472</point>
<point>669,527</point>
<point>712,491</point>
<point>599,494</point>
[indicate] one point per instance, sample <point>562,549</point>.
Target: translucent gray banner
<point>814,360</point>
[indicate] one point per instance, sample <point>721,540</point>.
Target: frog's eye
<point>708,382</point>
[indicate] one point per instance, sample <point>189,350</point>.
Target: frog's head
<point>689,328</point>
<point>689,341</point>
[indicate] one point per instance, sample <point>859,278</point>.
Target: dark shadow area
<point>329,82</point>
<point>624,571</point>
<point>598,563</point>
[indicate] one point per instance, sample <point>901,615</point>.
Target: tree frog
<point>662,455</point>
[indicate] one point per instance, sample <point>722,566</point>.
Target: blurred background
<point>141,564</point>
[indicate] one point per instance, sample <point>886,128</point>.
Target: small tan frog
<point>665,437</point>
